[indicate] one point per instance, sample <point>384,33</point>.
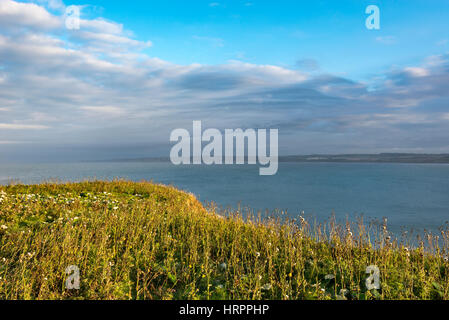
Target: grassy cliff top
<point>146,241</point>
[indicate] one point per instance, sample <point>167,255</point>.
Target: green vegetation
<point>147,241</point>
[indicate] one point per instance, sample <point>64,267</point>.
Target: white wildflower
<point>223,266</point>
<point>266,287</point>
<point>329,276</point>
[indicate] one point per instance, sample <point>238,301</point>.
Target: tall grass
<point>146,241</point>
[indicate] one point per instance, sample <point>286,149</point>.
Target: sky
<point>136,70</point>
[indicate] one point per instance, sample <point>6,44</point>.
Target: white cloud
<point>102,26</point>
<point>274,74</point>
<point>53,4</point>
<point>11,142</point>
<point>417,72</point>
<point>17,126</point>
<point>97,82</point>
<point>388,119</point>
<point>104,110</point>
<point>111,39</point>
<point>16,14</point>
<point>386,39</point>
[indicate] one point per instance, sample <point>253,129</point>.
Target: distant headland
<point>368,158</point>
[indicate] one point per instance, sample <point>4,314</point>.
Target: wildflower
<point>290,275</point>
<point>257,254</point>
<point>266,287</point>
<point>4,227</point>
<point>223,266</point>
<point>342,295</point>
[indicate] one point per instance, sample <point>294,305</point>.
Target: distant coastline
<point>381,157</point>
<point>352,158</point>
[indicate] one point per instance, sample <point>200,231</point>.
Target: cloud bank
<point>93,93</point>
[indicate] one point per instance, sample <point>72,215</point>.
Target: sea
<point>412,197</point>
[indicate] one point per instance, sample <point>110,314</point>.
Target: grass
<point>146,241</point>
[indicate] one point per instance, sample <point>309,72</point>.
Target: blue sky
<point>135,70</point>
<point>282,32</point>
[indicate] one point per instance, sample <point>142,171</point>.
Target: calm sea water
<point>413,196</point>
